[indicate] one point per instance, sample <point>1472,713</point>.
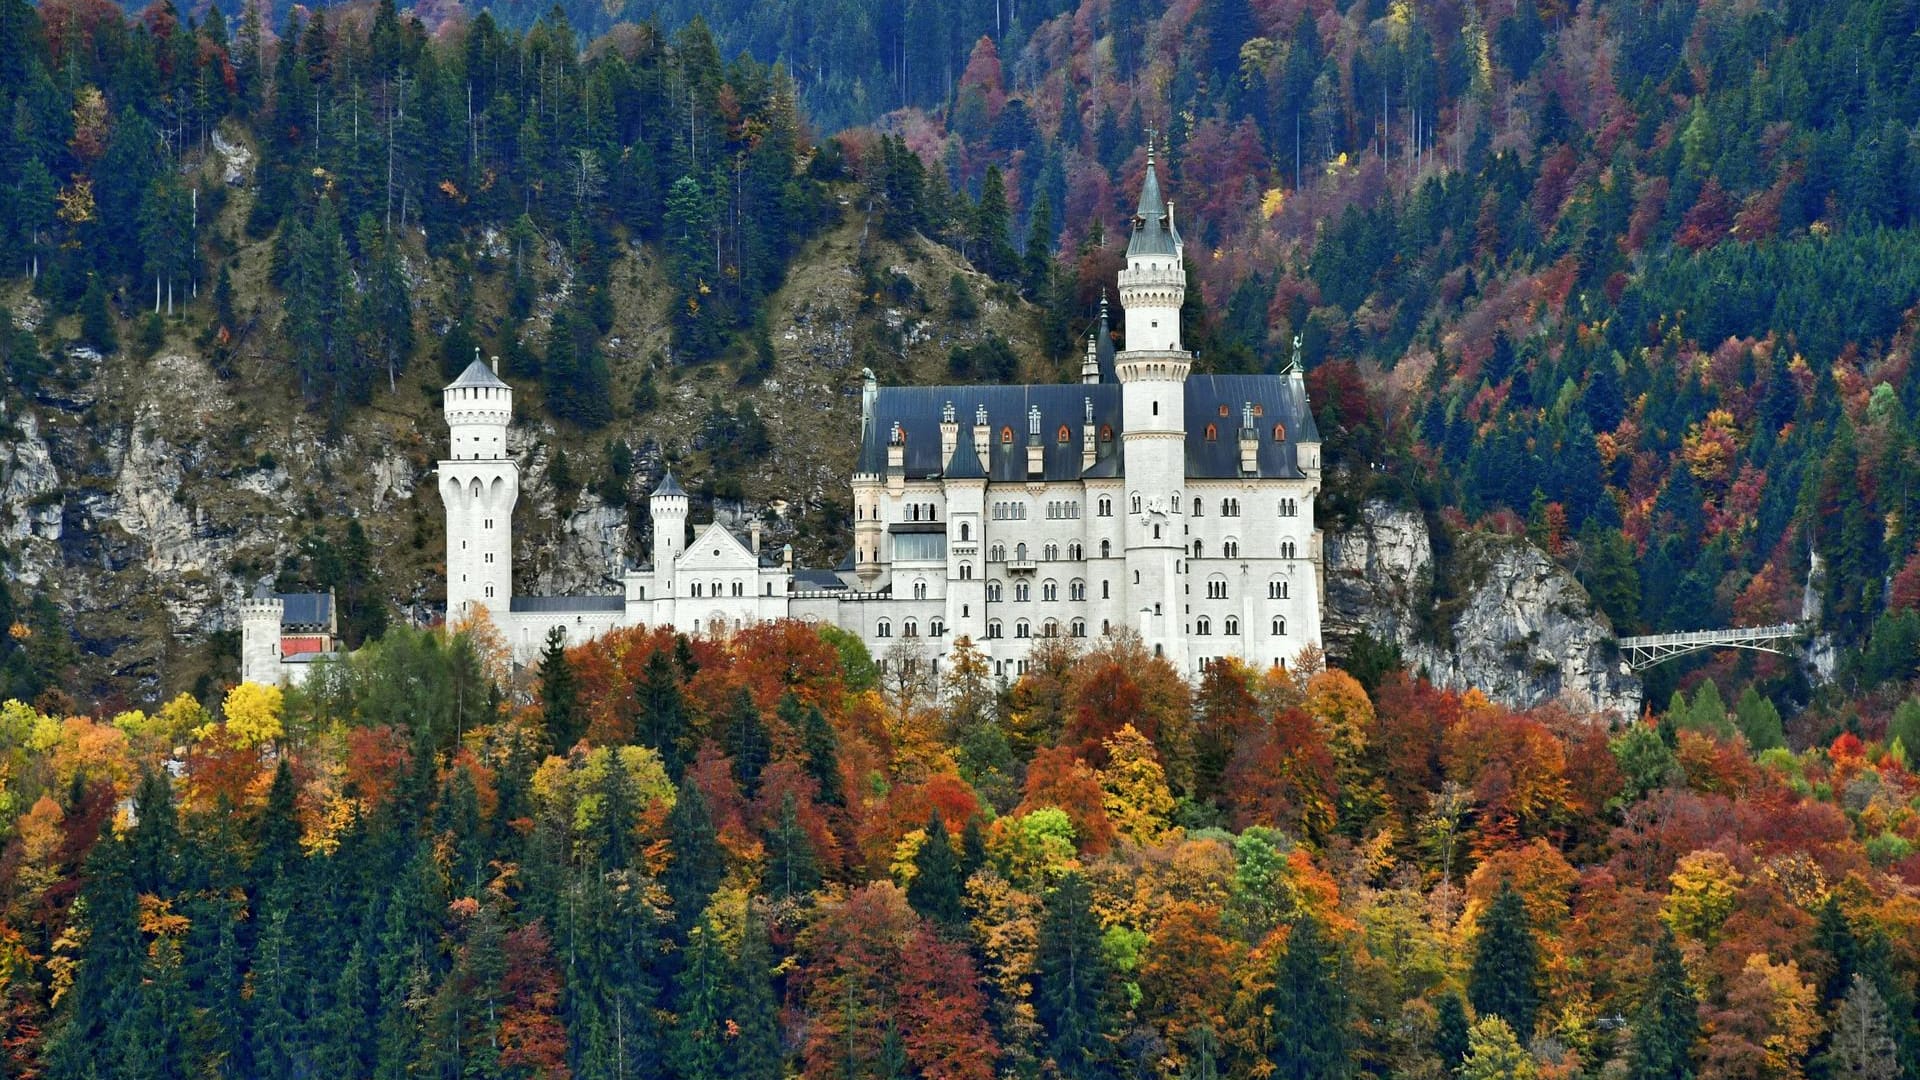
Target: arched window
<point>1106,549</point>
<point>966,530</point>
<point>1231,626</point>
<point>1202,626</point>
<point>993,592</point>
<point>1279,433</point>
<point>1076,590</point>
<point>1051,552</point>
<point>966,571</point>
<point>910,628</point>
<point>1276,590</point>
<point>1196,507</point>
<point>1217,588</point>
<point>1079,628</point>
<point>1156,532</point>
<point>935,627</point>
<point>1063,435</point>
<point>1136,577</point>
<point>1050,592</point>
<point>885,629</point>
<point>1213,433</point>
<point>1022,630</point>
<point>1006,436</point>
<point>1106,506</point>
<point>1106,432</point>
<point>1051,628</point>
<point>997,553</point>
<point>696,589</point>
<point>1022,592</point>
<point>919,591</point>
<point>1020,551</point>
<point>1230,549</point>
<point>1287,550</point>
<point>1075,552</point>
<point>1279,626</point>
<point>1104,587</point>
<point>1136,504</point>
<point>993,628</point>
<point>1196,548</point>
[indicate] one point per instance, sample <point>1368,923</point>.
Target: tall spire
<point>1152,231</point>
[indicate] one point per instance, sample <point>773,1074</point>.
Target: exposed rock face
<point>1521,628</point>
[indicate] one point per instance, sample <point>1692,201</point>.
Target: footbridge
<point>1644,652</point>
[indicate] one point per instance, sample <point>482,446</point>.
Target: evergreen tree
<point>386,310</point>
<point>1759,721</point>
<point>96,326</point>
<point>1450,1030</point>
<point>756,1050</point>
<point>663,722</point>
<point>702,1002</point>
<point>560,694</point>
<point>991,239</point>
<point>1861,1045</point>
<point>1310,1009</point>
<point>698,862</point>
<point>937,886</point>
<point>793,870</point>
<point>1073,983</point>
<point>1036,269</point>
<point>1504,979</point>
<point>747,744</point>
<point>820,745</point>
<point>1668,1021</point>
<point>97,1022</point>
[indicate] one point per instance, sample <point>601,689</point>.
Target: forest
<point>775,855</point>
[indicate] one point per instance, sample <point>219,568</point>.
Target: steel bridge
<point>1644,652</point>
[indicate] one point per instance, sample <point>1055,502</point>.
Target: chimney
<point>1249,442</point>
<point>982,438</point>
<point>896,448</point>
<point>786,558</point>
<point>1089,447</point>
<point>949,434</point>
<point>1090,364</point>
<point>496,366</point>
<point>1036,453</point>
<point>753,535</point>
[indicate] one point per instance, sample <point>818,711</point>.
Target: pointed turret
<point>1153,232</point>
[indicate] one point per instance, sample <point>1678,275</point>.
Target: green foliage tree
<point>1668,1021</point>
<point>560,693</point>
<point>1504,979</point>
<point>936,887</point>
<point>1310,1009</point>
<point>1073,982</point>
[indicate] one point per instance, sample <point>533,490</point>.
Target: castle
<point>1144,496</point>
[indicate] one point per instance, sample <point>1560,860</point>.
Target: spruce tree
<point>1450,1030</point>
<point>698,862</point>
<point>91,1029</point>
<point>1668,1021</point>
<point>1759,721</point>
<point>560,694</point>
<point>937,883</point>
<point>96,326</point>
<point>1036,269</point>
<point>793,870</point>
<point>991,236</point>
<point>820,745</point>
<point>1311,1012</point>
<point>1861,1045</point>
<point>663,722</point>
<point>1504,980</point>
<point>702,1003</point>
<point>756,1011</point>
<point>747,744</point>
<point>1073,983</point>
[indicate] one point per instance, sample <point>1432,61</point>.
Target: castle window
<point>1022,592</point>
<point>1279,433</point>
<point>1051,552</point>
<point>1156,532</point>
<point>1020,552</point>
<point>1006,436</point>
<point>1196,507</point>
<point>1232,627</point>
<point>696,589</point>
<point>1022,630</point>
<point>489,591</point>
<point>1217,589</point>
<point>1136,577</point>
<point>1202,626</point>
<point>1231,549</point>
<point>993,630</point>
<point>1223,409</point>
<point>997,553</point>
<point>1051,628</point>
<point>1136,504</point>
<point>966,571</point>
<point>1063,435</point>
<point>1279,626</point>
<point>1287,550</point>
<point>1106,432</point>
<point>1079,628</point>
<point>1276,590</point>
<point>910,628</point>
<point>1156,408</point>
<point>885,629</point>
<point>1197,549</point>
<point>1106,506</point>
<point>1105,593</point>
<point>966,530</point>
<point>739,588</point>
<point>993,592</point>
<point>1050,592</point>
<point>1213,433</point>
<point>1259,410</point>
<point>935,628</point>
<point>1076,590</point>
<point>1075,552</point>
<point>1106,549</point>
<point>919,590</point>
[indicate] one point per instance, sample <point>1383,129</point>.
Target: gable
<point>717,549</point>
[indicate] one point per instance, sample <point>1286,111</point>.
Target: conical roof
<point>1152,231</point>
<point>669,486</point>
<point>478,374</point>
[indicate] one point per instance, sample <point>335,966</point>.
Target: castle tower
<point>668,505</point>
<point>479,485</point>
<point>260,638</point>
<point>1153,372</point>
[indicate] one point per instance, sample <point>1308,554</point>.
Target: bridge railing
<point>1714,637</point>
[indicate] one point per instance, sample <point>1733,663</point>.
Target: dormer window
<point>1063,435</point>
<point>1279,433</point>
<point>1223,410</point>
<point>1006,436</point>
<point>1213,433</point>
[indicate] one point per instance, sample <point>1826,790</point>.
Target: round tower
<point>260,617</point>
<point>479,484</point>
<point>668,505</point>
<point>1153,372</point>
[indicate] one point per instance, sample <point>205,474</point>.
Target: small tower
<point>668,505</point>
<point>479,485</point>
<point>260,638</point>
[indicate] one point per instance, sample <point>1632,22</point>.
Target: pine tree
<point>793,870</point>
<point>663,722</point>
<point>97,1018</point>
<point>560,693</point>
<point>756,1011</point>
<point>820,745</point>
<point>698,862</point>
<point>1036,269</point>
<point>1073,982</point>
<point>702,1003</point>
<point>96,326</point>
<point>936,886</point>
<point>747,744</point>
<point>990,239</point>
<point>1759,721</point>
<point>1668,1021</point>
<point>1861,1045</point>
<point>386,307</point>
<point>1504,980</point>
<point>1450,1030</point>
<point>1310,1009</point>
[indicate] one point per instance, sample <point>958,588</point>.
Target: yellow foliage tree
<point>1340,706</point>
<point>1134,788</point>
<point>252,713</point>
<point>1705,886</point>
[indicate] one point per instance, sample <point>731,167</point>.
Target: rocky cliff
<point>1516,625</point>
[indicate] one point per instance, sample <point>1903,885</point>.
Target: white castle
<point>1179,506</point>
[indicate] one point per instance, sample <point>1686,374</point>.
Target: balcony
<point>1021,566</point>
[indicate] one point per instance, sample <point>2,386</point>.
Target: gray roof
<point>816,580</point>
<point>1153,234</point>
<point>478,374</point>
<point>670,486</point>
<point>306,609</point>
<point>917,410</point>
<point>566,605</point>
<point>1279,399</point>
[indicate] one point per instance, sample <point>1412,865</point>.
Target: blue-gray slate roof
<point>478,374</point>
<point>313,609</point>
<point>1278,399</point>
